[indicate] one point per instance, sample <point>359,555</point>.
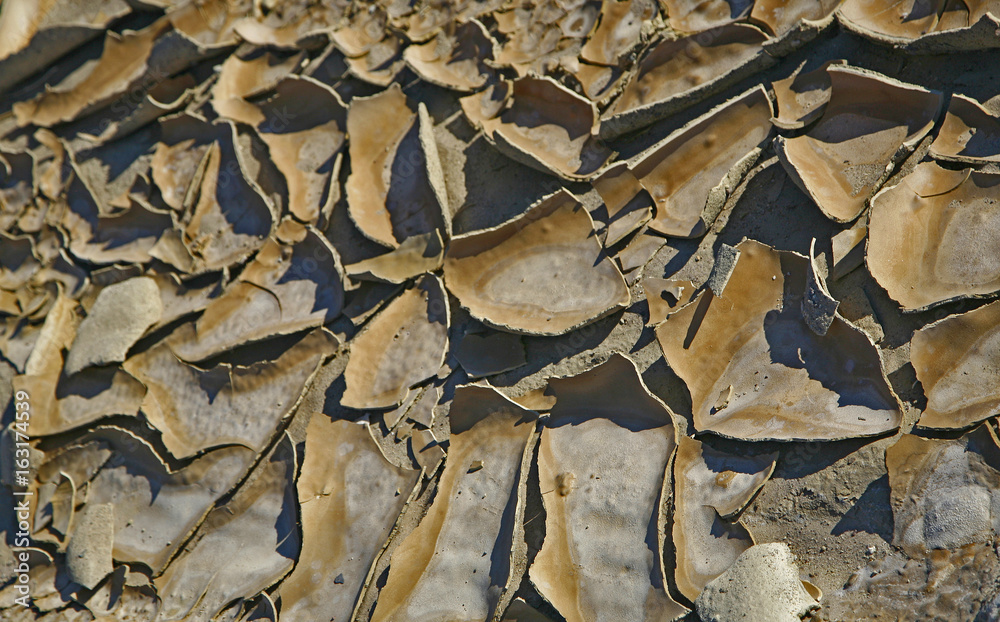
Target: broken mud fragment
<point>956,361</point>
<point>467,544</point>
<point>602,464</point>
<point>403,345</point>
<point>711,489</point>
<point>869,124</point>
<point>786,381</point>
<point>498,282</point>
<point>350,497</point>
<point>677,73</point>
<point>930,236</point>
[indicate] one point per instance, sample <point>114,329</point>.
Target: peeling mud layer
<point>499,310</point>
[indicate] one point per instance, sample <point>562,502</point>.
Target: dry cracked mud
<point>499,310</point>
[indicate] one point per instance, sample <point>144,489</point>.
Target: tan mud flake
<point>868,125</point>
<point>403,345</point>
<point>452,564</point>
<point>494,277</point>
<point>788,383</point>
<point>350,497</point>
<point>603,472</point>
<point>930,236</point>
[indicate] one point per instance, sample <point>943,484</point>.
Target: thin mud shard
<point>869,124</point>
<point>711,490</point>
<point>957,360</point>
<point>403,345</point>
<point>196,409</point>
<point>202,169</point>
<point>696,16</point>
<point>303,124</point>
<point>944,492</point>
<point>618,31</point>
<point>62,401</point>
<point>756,371</point>
<point>396,187</point>
<point>690,173</point>
<point>36,33</point>
<point>156,508</point>
<point>459,563</point>
<point>924,26</point>
<point>544,125</point>
<point>677,73</point>
<point>241,548</point>
<point>969,134</point>
<point>801,98</point>
<point>350,497</point>
<point>295,282</point>
<point>602,469</point>
<point>119,317</point>
<point>931,237</point>
<point>457,57</point>
<point>497,273</point>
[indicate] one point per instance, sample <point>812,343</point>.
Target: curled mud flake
<point>819,308</point>
<point>629,206</point>
<point>243,77</point>
<point>802,97</point>
<point>119,317</point>
<point>944,493</point>
<point>664,296</point>
<point>488,353</point>
<point>763,585</point>
<point>241,548</point>
<point>416,255</point>
<point>697,16</point>
<point>784,17</point>
<point>550,128</point>
<point>156,508</point>
<point>196,409</point>
<point>849,249</point>
<point>294,28</point>
<point>602,465</point>
<point>65,402</point>
<point>288,287</point>
<point>939,224</point>
<point>711,489</point>
<point>350,497</point>
<point>498,280</point>
<point>35,33</point>
<point>396,187</point>
<point>88,554</point>
<point>924,27</point>
<point>679,72</point>
<point>969,133</point>
<point>618,31</point>
<point>303,126</point>
<point>957,361</point>
<point>465,547</point>
<point>691,172</point>
<point>870,123</point>
<point>403,345</point>
<point>787,382</point>
<point>126,237</point>
<point>457,58</point>
<point>124,62</point>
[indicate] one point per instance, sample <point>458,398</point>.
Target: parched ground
<point>495,310</point>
